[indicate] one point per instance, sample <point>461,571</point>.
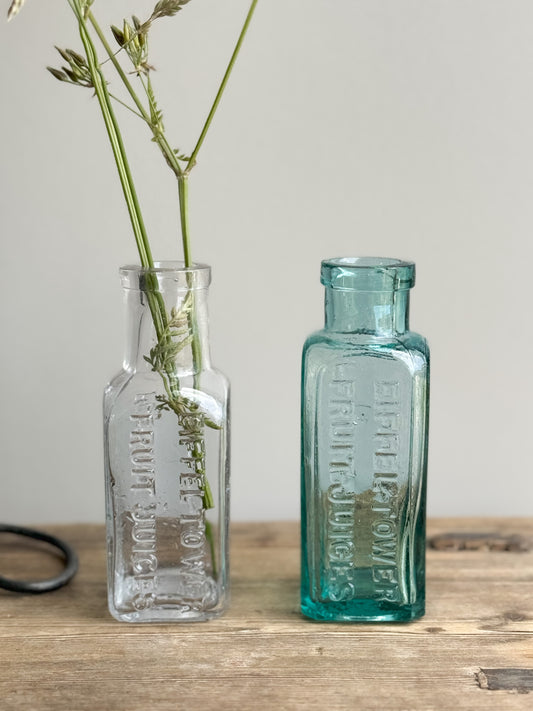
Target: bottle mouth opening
<point>165,275</point>
<point>367,274</point>
<point>366,262</point>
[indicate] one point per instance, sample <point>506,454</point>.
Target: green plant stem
<point>119,153</point>
<point>115,138</point>
<point>170,156</point>
<point>214,107</point>
<point>196,346</point>
<point>117,146</point>
<point>183,194</point>
<point>158,135</point>
<point>125,105</point>
<point>183,187</point>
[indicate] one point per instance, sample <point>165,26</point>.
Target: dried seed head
<point>167,8</point>
<point>14,8</point>
<point>57,73</point>
<point>136,44</point>
<point>118,35</point>
<point>77,71</point>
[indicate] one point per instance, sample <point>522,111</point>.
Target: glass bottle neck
<point>167,319</point>
<point>381,313</point>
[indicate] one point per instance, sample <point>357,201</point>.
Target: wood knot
<point>512,679</point>
<point>479,542</point>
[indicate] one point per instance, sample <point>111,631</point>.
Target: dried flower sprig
<point>174,331</point>
<point>86,70</point>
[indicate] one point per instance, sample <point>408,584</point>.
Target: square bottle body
<point>364,454</point>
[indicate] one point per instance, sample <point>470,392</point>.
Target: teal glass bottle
<point>365,401</point>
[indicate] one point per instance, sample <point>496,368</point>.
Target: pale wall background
<point>351,127</point>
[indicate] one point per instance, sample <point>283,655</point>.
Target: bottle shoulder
<point>130,383</point>
<point>325,353</point>
<point>356,342</point>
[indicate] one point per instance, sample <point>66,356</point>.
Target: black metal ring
<point>41,586</point>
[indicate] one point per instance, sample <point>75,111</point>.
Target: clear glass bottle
<point>365,388</point>
<point>166,455</point>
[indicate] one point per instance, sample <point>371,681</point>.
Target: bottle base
<point>164,616</point>
<point>171,596</point>
<point>364,610</point>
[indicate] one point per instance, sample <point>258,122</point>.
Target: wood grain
<point>62,651</point>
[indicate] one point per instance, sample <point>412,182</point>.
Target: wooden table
<point>473,649</point>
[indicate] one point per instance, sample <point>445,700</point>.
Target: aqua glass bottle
<point>365,396</point>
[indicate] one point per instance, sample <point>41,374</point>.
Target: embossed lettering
<point>144,561</point>
<point>385,491</point>
<point>340,495</point>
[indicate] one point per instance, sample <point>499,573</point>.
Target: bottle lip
<point>367,273</point>
<point>167,274</point>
